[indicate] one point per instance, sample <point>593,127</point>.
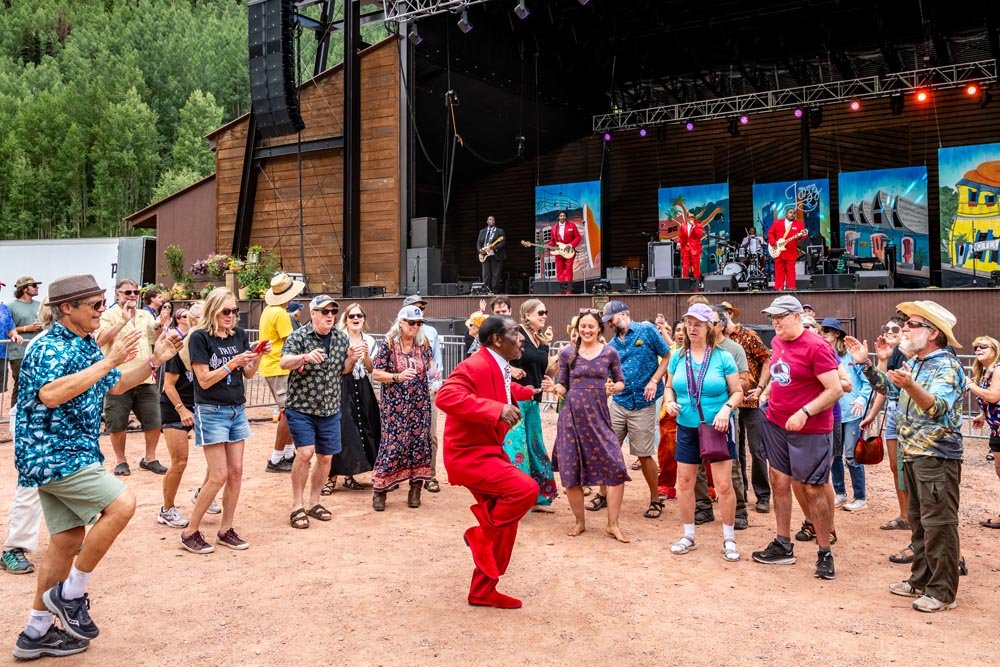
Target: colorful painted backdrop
<point>706,203</point>
<point>969,182</point>
<point>811,197</point>
<point>582,204</point>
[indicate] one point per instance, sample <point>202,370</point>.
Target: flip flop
<point>990,523</point>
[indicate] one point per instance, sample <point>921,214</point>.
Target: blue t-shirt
<point>714,390</point>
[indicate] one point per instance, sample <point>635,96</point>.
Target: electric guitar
<point>561,249</point>
<point>487,250</point>
<point>779,246</point>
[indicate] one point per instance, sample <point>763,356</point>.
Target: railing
<point>4,418</point>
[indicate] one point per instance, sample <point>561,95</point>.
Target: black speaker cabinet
<point>618,278</point>
<point>448,326</point>
<point>444,289</point>
<point>423,233</point>
<point>545,287</point>
<point>720,283</point>
<point>274,96</point>
<point>873,279</point>
<point>833,281</point>
<point>673,285</point>
<point>423,269</point>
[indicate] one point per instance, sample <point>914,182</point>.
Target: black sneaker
<point>73,614</point>
<point>153,466</point>
<point>285,465</point>
<point>806,533</point>
<point>742,523</point>
<point>703,516</point>
<point>824,566</point>
<point>54,643</point>
<point>775,554</point>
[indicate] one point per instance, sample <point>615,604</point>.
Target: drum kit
<point>749,268</point>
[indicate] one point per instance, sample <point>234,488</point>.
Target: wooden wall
<point>767,150</point>
<point>276,214</point>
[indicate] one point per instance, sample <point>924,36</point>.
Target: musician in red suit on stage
<point>480,402</point>
<point>690,234</point>
<point>788,228</point>
<point>564,232</point>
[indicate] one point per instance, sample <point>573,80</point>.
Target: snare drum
<point>732,269</point>
<point>742,255</point>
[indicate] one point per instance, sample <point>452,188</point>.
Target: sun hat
<point>936,314</point>
<point>731,308</point>
<point>70,288</point>
<point>283,289</point>
<point>410,312</point>
<point>700,312</point>
<point>322,301</point>
<point>612,308</point>
<point>783,304</point>
<point>833,323</point>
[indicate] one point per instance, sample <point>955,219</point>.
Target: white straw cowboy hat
<point>283,289</point>
<point>934,313</point>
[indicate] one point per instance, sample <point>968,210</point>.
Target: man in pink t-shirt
<point>797,430</point>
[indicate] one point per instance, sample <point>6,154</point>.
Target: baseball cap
<point>833,323</point>
<point>293,306</point>
<point>783,304</point>
<point>412,299</point>
<point>322,301</point>
<point>809,306</point>
<point>700,312</point>
<point>25,280</point>
<point>612,308</point>
<point>410,312</point>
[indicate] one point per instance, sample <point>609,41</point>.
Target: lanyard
<point>694,388</point>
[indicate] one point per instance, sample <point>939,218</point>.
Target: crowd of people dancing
<point>708,411</point>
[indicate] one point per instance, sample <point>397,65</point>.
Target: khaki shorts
<point>278,384</point>
<point>77,500</point>
<point>638,425</point>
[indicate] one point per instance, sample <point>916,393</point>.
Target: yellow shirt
<point>275,326</point>
<point>142,321</point>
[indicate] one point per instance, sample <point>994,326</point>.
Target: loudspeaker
<point>719,283</point>
<point>423,269</point>
<point>366,291</point>
<point>673,285</point>
<point>873,279</point>
<point>544,287</point>
<point>448,326</point>
<point>661,259</point>
<point>423,232</point>
<point>832,281</point>
<point>618,277</point>
<point>275,99</point>
<point>444,289</point>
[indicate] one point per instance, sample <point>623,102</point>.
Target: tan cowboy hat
<point>731,308</point>
<point>283,289</point>
<point>938,315</point>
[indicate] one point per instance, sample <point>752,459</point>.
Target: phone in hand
<point>260,347</point>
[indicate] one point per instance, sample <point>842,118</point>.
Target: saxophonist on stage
<point>491,246</point>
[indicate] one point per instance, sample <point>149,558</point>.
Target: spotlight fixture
<point>984,97</point>
<point>689,126</point>
<point>971,89</point>
<point>521,10</point>
<point>642,132</point>
<point>896,103</point>
<point>923,95</point>
<point>815,117</point>
<point>734,127</point>
<point>583,3</point>
<point>855,105</point>
<point>799,112</point>
<point>463,23</point>
<point>744,119</point>
<point>414,35</point>
<point>607,136</point>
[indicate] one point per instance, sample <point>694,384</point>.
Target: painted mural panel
<point>969,186</point>
<point>810,197</point>
<point>582,204</point>
<point>709,204</point>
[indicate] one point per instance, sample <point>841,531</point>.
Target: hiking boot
<point>929,604</point>
<point>413,498</point>
<point>55,643</point>
<point>806,533</point>
<point>232,540</point>
<point>171,517</point>
<point>775,554</point>
<point>763,506</point>
<point>824,566</point>
<point>73,614</point>
<point>378,501</point>
<point>15,562</point>
<point>196,544</point>
<point>742,523</point>
<point>153,466</point>
<point>285,465</point>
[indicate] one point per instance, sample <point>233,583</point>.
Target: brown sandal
<point>298,519</point>
<point>320,512</point>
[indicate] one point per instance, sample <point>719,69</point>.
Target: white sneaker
<point>840,500</point>
<point>214,508</point>
<point>856,505</point>
<point>171,517</point>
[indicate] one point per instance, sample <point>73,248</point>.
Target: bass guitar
<point>561,249</point>
<point>780,244</point>
<point>487,250</point>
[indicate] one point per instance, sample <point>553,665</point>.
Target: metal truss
<point>946,76</point>
<point>411,10</point>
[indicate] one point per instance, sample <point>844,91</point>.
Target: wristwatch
<point>803,409</point>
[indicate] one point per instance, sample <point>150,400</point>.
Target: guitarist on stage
<point>491,244</point>
<point>564,232</point>
<point>788,230</point>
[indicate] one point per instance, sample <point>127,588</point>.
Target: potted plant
<point>217,265</point>
<point>255,277</point>
<point>253,254</point>
<point>174,255</point>
<point>207,289</point>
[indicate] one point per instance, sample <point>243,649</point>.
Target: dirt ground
<point>389,588</point>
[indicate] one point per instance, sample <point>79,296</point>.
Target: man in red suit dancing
<point>564,232</point>
<point>689,237</point>
<point>790,228</point>
<point>480,402</point>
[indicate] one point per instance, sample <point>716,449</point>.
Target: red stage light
<point>923,95</point>
<point>855,105</point>
<point>972,89</point>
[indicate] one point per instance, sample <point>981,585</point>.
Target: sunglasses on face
<point>356,316</point>
<point>827,330</point>
<point>413,323</point>
<point>230,311</point>
<point>328,311</point>
<point>541,313</point>
<point>94,305</point>
<point>892,329</point>
<point>129,292</point>
<point>913,324</point>
<point>981,347</point>
<point>182,317</point>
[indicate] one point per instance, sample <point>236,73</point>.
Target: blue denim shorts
<point>219,424</point>
<point>891,411</point>
<point>310,430</point>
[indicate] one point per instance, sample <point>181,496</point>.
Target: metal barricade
<point>257,393</point>
<point>4,384</point>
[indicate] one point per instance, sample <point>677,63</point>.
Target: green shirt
<point>24,313</point>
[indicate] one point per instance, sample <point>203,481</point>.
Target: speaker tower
<point>272,68</point>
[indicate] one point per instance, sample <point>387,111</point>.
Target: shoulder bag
<point>713,445</point>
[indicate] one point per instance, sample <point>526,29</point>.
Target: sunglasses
<point>827,330</point>
<point>128,292</point>
<point>541,313</point>
<point>328,311</point>
<point>913,324</point>
<point>892,329</point>
<point>356,316</point>
<point>230,311</point>
<point>182,317</point>
<point>413,323</point>
<point>981,347</point>
<point>94,305</point>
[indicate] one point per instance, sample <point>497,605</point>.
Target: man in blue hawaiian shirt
<point>64,378</point>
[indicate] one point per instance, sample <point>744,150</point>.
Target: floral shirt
<point>53,443</point>
<point>990,410</point>
<point>6,324</point>
<point>640,352</point>
<point>315,388</point>
<point>936,431</point>
<point>757,356</point>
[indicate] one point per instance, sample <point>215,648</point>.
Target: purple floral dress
<point>587,449</point>
<point>405,451</point>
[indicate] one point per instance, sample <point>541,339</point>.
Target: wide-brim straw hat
<point>283,289</point>
<point>936,314</point>
<point>731,308</point>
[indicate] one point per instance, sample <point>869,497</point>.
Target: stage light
<point>815,117</point>
<point>896,103</point>
<point>414,36</point>
<point>522,10</point>
<point>922,96</point>
<point>984,97</point>
<point>642,132</point>
<point>971,89</point>
<point>744,119</point>
<point>463,23</point>
<point>799,112</point>
<point>689,126</point>
<point>607,136</point>
<point>734,127</point>
<point>583,2</point>
<point>855,105</point>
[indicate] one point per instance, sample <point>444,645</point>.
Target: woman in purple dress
<point>587,449</point>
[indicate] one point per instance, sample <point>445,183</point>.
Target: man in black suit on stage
<point>491,243</point>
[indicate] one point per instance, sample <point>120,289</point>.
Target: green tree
<point>174,180</point>
<point>199,116</point>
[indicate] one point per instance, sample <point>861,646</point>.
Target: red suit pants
<point>784,273</point>
<point>564,269</point>
<point>691,260</point>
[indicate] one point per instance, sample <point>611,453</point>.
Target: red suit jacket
<point>571,235</point>
<point>777,231</point>
<point>472,398</point>
<point>692,240</point>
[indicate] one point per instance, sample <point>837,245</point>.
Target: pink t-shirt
<point>795,366</point>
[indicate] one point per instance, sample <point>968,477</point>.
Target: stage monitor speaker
<point>545,287</point>
<point>444,289</point>
<point>366,291</point>
<point>873,279</point>
<point>661,259</point>
<point>618,277</point>
<point>720,283</point>
<point>423,269</point>
<point>832,281</point>
<point>424,233</point>
<point>448,326</point>
<point>674,285</point>
<point>273,94</point>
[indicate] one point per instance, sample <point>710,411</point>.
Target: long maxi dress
<point>360,421</point>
